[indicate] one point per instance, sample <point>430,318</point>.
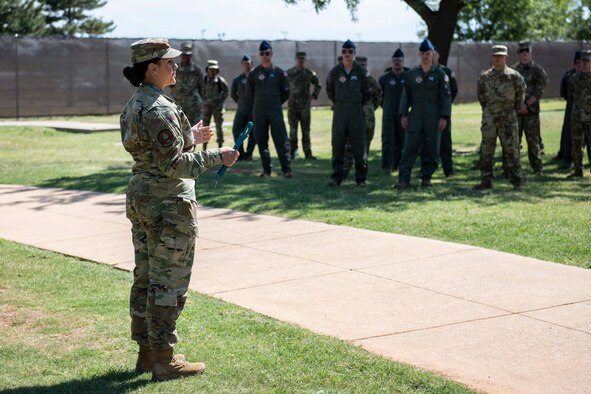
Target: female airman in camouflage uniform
<point>161,205</point>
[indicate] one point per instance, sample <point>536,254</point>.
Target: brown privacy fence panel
<point>45,76</point>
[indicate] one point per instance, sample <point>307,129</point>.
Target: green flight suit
<point>269,89</point>
<point>426,99</point>
<point>348,92</point>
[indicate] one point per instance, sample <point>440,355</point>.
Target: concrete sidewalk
<point>494,321</point>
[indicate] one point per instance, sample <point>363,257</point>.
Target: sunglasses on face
<point>349,51</point>
<point>265,53</point>
<point>526,50</point>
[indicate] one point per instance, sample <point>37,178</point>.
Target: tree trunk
<point>441,24</point>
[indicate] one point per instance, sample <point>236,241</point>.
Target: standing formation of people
<point>416,117</point>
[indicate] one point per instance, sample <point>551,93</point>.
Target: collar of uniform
<point>153,89</point>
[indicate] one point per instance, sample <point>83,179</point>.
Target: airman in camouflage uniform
<point>501,91</point>
<point>161,206</point>
<point>215,94</point>
<point>529,114</point>
<point>188,90</point>
<point>579,89</point>
<point>298,106</point>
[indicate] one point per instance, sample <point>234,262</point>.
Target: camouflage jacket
<point>501,94</point>
<point>376,94</point>
<point>216,90</point>
<point>579,89</point>
<point>535,79</point>
<point>299,86</point>
<point>189,82</point>
<point>158,136</point>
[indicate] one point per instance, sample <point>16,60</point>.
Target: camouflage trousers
<point>509,139</point>
<point>581,131</point>
<point>295,115</point>
<point>530,126</point>
<point>217,111</point>
<point>192,107</point>
<point>163,233</point>
<point>370,126</point>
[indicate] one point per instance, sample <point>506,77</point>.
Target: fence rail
<point>46,76</point>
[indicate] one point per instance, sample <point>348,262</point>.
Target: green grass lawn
<point>65,329</point>
<point>550,220</point>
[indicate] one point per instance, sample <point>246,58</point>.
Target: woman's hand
<point>229,156</point>
<point>201,133</point>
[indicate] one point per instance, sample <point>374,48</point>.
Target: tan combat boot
<point>145,359</point>
<point>168,367</point>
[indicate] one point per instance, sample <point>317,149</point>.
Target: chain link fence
<point>45,76</point>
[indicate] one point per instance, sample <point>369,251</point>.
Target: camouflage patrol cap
<point>152,48</point>
<point>300,54</point>
<point>213,64</point>
<point>361,60</point>
<point>524,45</point>
<point>586,54</point>
<point>499,50</point>
<point>187,48</point>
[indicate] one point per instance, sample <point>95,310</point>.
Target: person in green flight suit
<point>425,109</point>
<point>244,109</point>
<point>268,87</point>
<point>348,89</point>
<point>391,84</point>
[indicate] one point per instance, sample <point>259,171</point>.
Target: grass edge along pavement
<point>550,220</point>
<point>58,338</point>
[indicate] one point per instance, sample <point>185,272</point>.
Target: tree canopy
<point>540,20</point>
<point>67,18</point>
<point>490,20</point>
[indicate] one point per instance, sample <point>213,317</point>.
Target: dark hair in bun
<point>136,73</point>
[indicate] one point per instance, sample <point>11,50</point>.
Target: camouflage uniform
<point>501,94</point>
<point>298,109</point>
<point>216,92</point>
<point>579,89</point>
<point>536,79</point>
<point>162,208</point>
<point>188,91</point>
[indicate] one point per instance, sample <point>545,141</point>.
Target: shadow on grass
<point>242,189</point>
<point>111,382</point>
<point>113,180</point>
